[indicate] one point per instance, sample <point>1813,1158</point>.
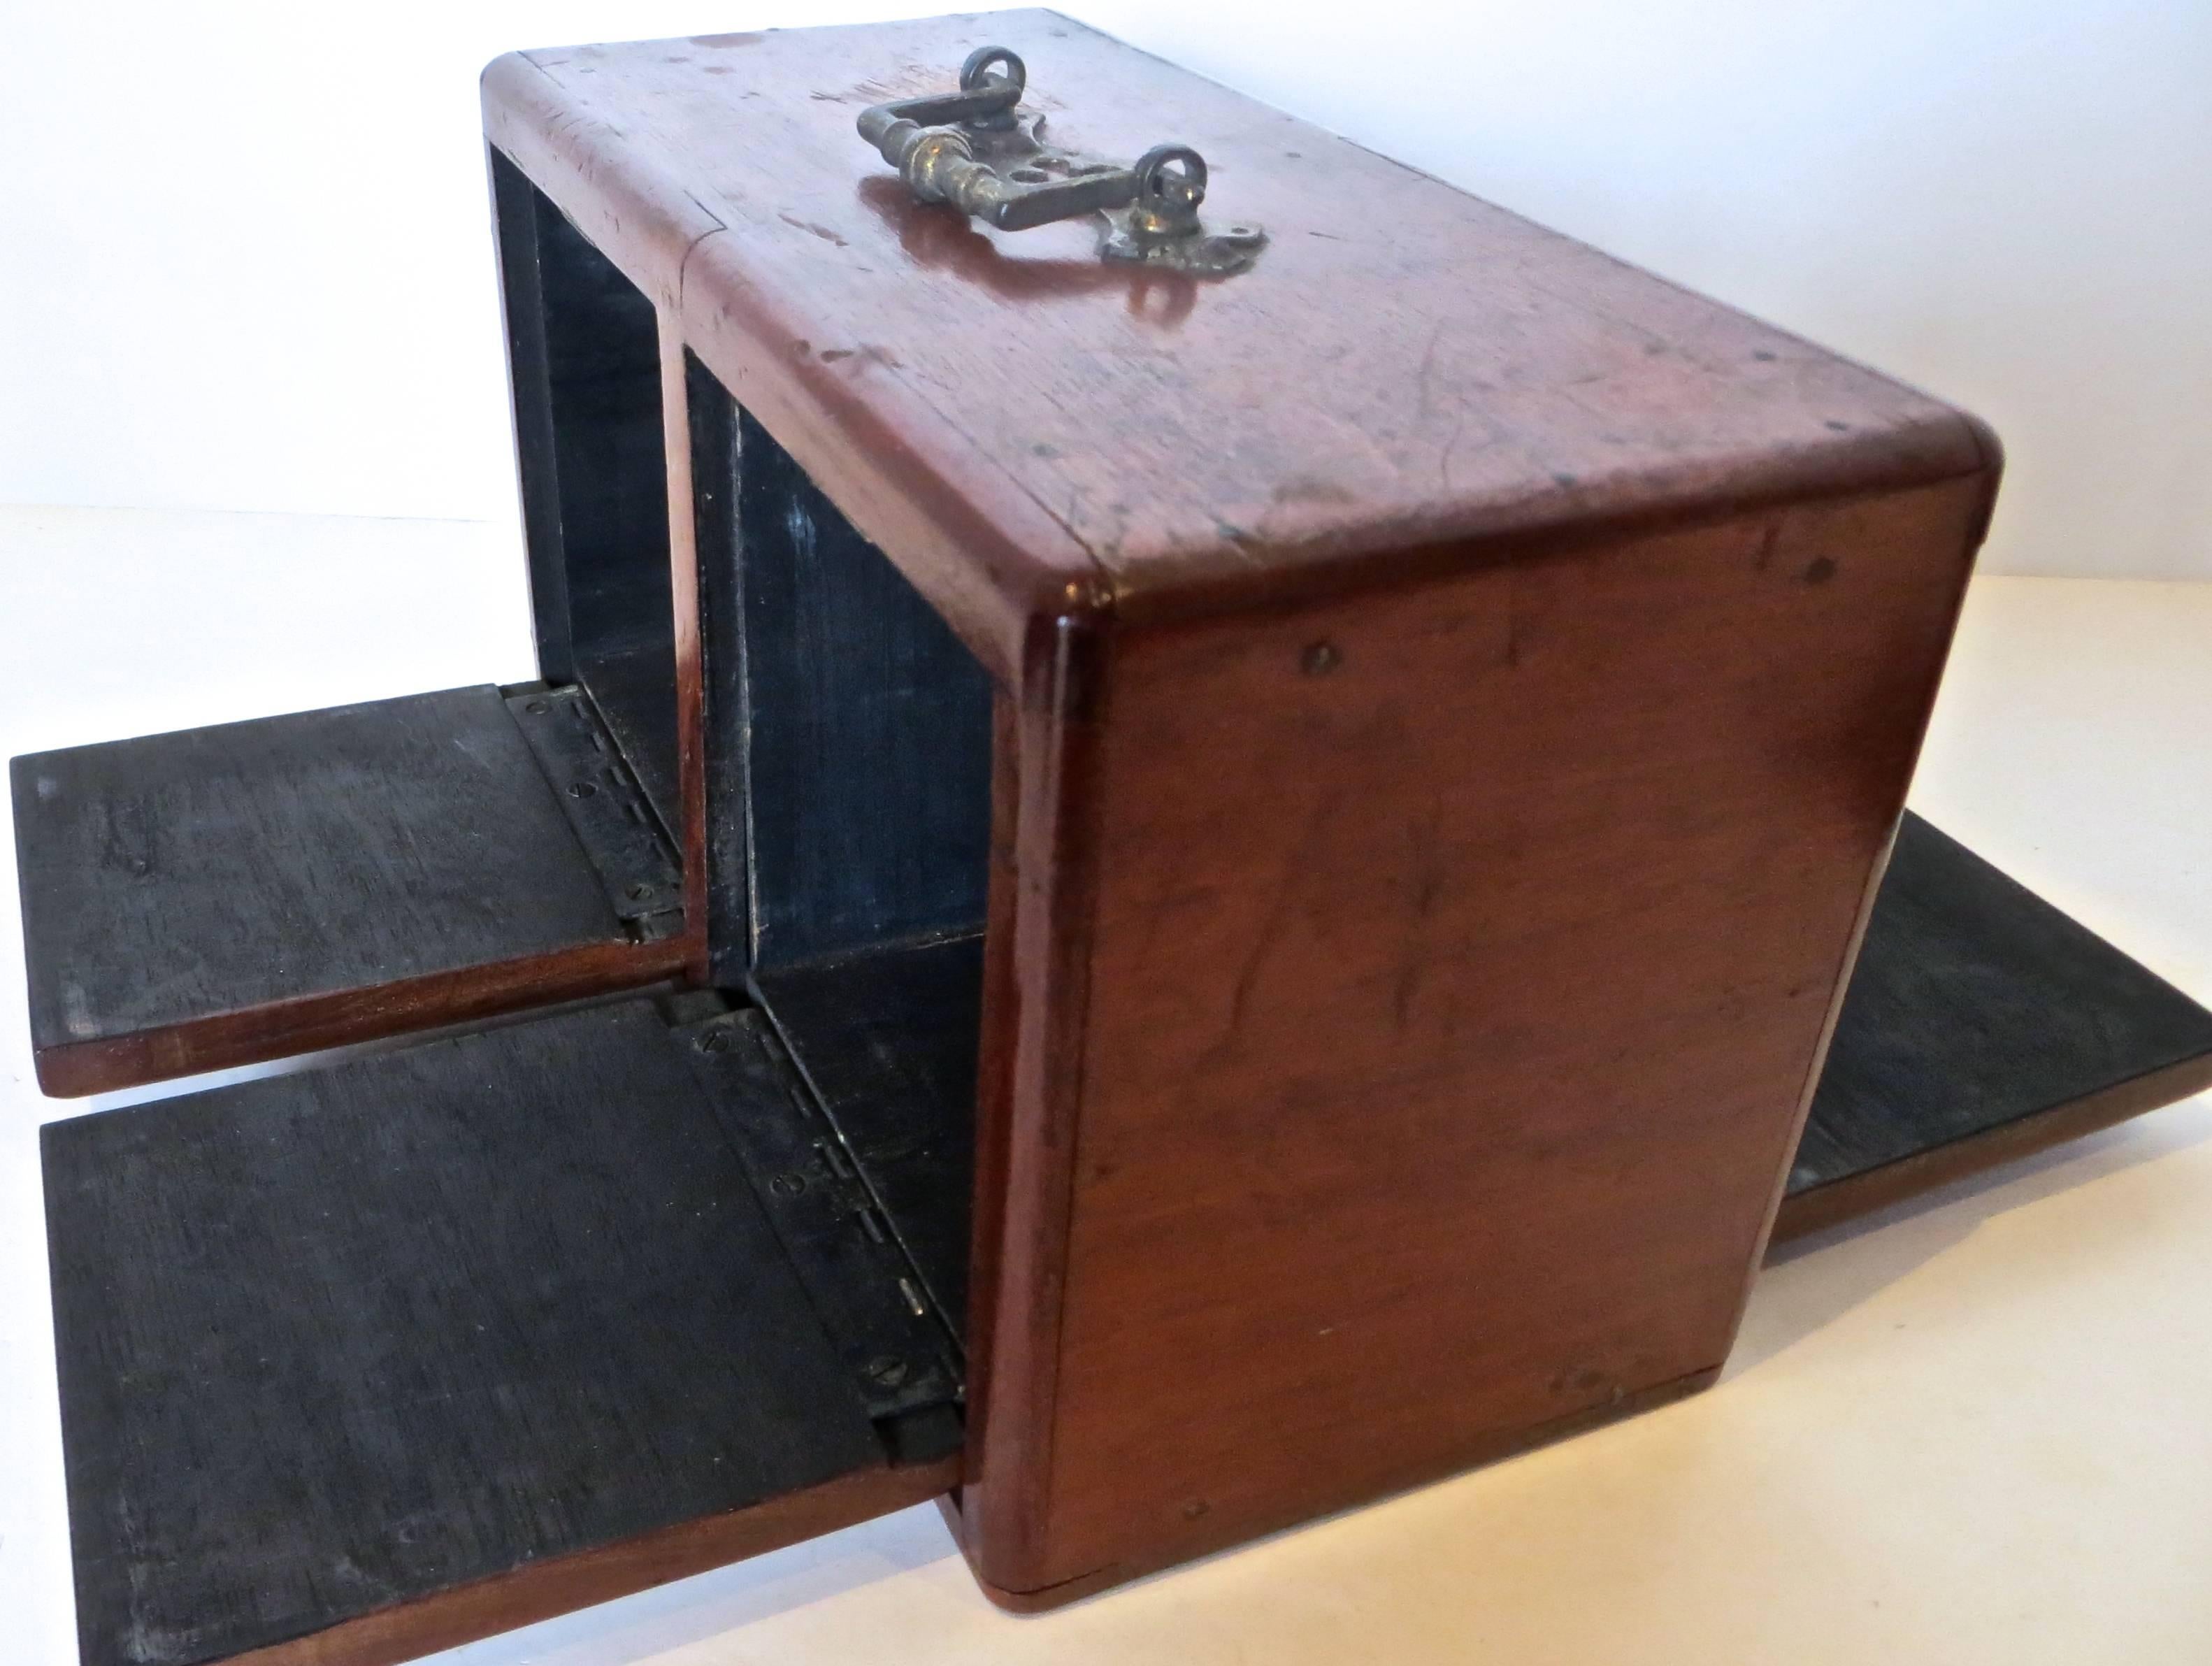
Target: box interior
<point>604,581</point>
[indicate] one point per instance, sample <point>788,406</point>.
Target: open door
<point>222,895</point>
<point>1981,1025</point>
<point>399,1350</point>
<point>369,1360</point>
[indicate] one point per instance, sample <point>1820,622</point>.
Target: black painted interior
<point>848,732</point>
<point>868,768</point>
<point>586,367</point>
<point>848,739</point>
<point>174,878</point>
<point>1976,1004</point>
<point>344,1338</point>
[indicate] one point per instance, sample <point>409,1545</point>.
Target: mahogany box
<point>1207,829</point>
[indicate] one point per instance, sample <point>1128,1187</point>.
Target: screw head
<point>536,708</point>
<point>886,1373</point>
<point>787,1185</point>
<point>581,789</point>
<point>639,891</point>
<point>715,1041</point>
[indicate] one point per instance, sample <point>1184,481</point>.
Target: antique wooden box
<point>1182,857</point>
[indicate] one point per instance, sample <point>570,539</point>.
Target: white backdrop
<point>244,260</point>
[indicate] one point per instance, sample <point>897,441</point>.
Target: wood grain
<point>376,1357</point>
<point>1203,1534</point>
<point>213,896</point>
<point>1045,880</point>
<point>1817,1209</point>
<point>314,1023</point>
<point>1025,430</point>
<point>1433,815</point>
<point>1460,961</point>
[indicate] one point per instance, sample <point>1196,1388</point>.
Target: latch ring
<point>974,73</point>
<point>973,150</point>
<point>1166,203</point>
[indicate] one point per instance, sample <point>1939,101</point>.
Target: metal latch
<point>974,149</point>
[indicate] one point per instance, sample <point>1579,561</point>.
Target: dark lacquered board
<point>251,891</point>
<point>887,1040</point>
<point>1981,1023</point>
<point>369,1359</point>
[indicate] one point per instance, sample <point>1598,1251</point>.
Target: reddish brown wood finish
<point>311,1023</point>
<point>1030,1082</point>
<point>996,1048</point>
<point>1026,431</point>
<point>1459,963</point>
<point>1204,1536</point>
<point>1456,689</point>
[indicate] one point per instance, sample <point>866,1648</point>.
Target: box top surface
<point>1024,426</point>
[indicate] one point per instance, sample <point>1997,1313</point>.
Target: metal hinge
<point>597,792</point>
<point>870,1302</point>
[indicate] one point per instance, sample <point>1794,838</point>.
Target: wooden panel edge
<point>684,588</point>
<point>562,1584</point>
<point>1492,1449</point>
<point>1328,572</point>
<point>994,571</point>
<point>310,1024</point>
<point>1046,748</point>
<point>1977,511</point>
<point>1842,1201</point>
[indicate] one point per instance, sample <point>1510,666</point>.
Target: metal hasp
<point>977,150</point>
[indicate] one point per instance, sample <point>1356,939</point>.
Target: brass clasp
<point>977,150</point>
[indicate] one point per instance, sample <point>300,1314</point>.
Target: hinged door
<point>368,1360</point>
<point>215,896</point>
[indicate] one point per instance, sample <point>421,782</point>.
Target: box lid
<point>1407,371</point>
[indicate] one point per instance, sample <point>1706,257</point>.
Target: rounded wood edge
<point>989,557</point>
<point>1847,1200</point>
<point>1050,756</point>
<point>1423,556</point>
<point>1215,1537</point>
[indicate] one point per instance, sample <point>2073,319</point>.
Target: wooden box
<point>1203,892</point>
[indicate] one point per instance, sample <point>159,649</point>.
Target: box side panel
<point>1461,958</point>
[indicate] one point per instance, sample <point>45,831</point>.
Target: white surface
<point>247,264</point>
<point>1975,1434</point>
